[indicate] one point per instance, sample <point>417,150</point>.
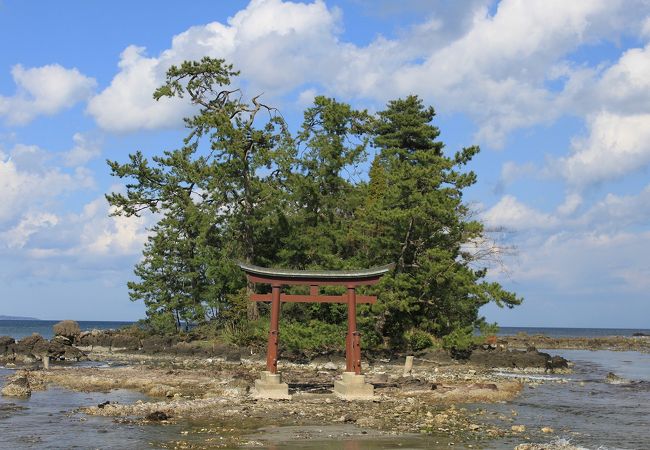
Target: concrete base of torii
<point>270,385</point>
<point>353,387</point>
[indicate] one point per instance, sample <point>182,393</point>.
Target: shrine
<point>352,385</point>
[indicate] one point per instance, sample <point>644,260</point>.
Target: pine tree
<point>414,216</point>
<point>218,195</point>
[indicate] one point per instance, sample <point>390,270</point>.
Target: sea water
<point>584,408</point>
<point>21,328</point>
<point>572,332</point>
<point>18,329</point>
<point>48,420</point>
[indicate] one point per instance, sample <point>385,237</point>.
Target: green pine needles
<point>242,186</point>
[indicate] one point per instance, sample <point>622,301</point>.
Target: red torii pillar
<point>313,278</point>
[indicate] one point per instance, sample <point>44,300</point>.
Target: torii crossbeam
<point>351,279</point>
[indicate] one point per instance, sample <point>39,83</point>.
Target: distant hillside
<point>17,318</point>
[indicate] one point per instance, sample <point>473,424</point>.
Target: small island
<point>17,318</point>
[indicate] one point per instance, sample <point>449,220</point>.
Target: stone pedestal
<point>270,385</point>
<point>353,387</point>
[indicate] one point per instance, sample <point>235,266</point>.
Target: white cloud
<point>595,260</point>
<point>645,28</point>
<point>18,236</point>
<point>44,90</point>
<point>102,234</point>
<point>612,213</point>
<point>497,71</point>
<point>493,66</point>
<point>615,146</point>
<point>306,97</point>
<point>617,212</point>
<point>75,245</point>
<point>514,215</point>
<point>583,261</point>
<point>278,45</point>
<point>616,103</point>
<point>571,203</point>
<point>27,183</point>
<point>127,104</point>
<point>624,88</point>
<point>511,172</point>
<point>83,150</point>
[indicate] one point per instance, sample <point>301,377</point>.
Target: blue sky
<point>557,94</point>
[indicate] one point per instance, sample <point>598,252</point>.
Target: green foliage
<point>489,329</point>
<point>415,217</point>
<point>246,334</point>
<point>312,337</point>
<point>240,186</point>
<point>161,323</point>
<point>417,339</point>
<point>460,341</point>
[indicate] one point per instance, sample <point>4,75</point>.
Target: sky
<point>556,94</point>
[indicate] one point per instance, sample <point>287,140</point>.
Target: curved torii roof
<point>292,276</point>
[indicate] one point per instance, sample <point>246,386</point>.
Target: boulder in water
<point>18,387</point>
<point>557,362</point>
<point>612,378</point>
<point>157,416</point>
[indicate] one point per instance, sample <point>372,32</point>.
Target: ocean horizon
<point>18,329</point>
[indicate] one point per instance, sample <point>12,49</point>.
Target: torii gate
<point>353,385</point>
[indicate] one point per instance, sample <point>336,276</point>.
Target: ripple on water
<point>588,410</point>
<point>48,419</point>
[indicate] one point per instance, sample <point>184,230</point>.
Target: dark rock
<point>125,341</point>
<point>233,355</point>
<point>557,362</point>
<point>101,405</point>
<point>612,378</point>
<point>36,347</point>
<point>157,344</point>
<point>639,334</point>
<point>379,378</point>
<point>510,358</point>
<point>7,345</point>
<point>57,349</point>
<point>26,344</point>
<point>438,355</point>
<point>61,340</point>
<point>460,354</point>
<point>47,348</point>
<point>157,416</point>
<point>95,338</point>
<point>295,356</point>
<point>73,354</point>
<point>54,348</point>
<point>418,384</point>
<point>185,348</point>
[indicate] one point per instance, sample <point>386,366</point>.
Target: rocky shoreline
<point>637,343</point>
<point>210,383</point>
<point>207,390</point>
